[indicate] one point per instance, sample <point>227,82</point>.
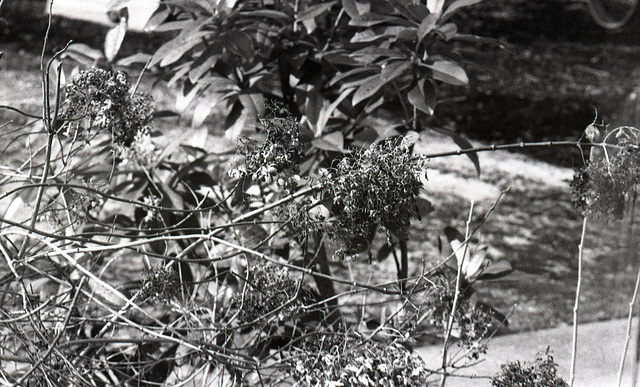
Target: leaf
<point>357,82</point>
<point>354,9</point>
<point>333,142</point>
<point>391,70</point>
<point>367,89</point>
<point>424,206</point>
<point>370,19</point>
<point>463,143</point>
<point>314,11</point>
<point>448,31</point>
<point>79,50</point>
<point>173,50</point>
<point>435,6</point>
<point>456,5</point>
<point>456,239</point>
<point>384,252</point>
<point>496,270</point>
<point>327,111</point>
<point>203,108</point>
<point>428,24</point>
<point>423,97</point>
<point>449,72</point>
<point>139,58</point>
<point>158,17</point>
<point>472,267</point>
<point>113,39</point>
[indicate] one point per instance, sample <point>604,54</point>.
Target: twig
<point>57,337</point>
<point>456,298</point>
<point>576,306</point>
<point>629,325</point>
<point>494,147</point>
<point>631,249</point>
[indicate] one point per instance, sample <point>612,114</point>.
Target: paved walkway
<point>600,348</point>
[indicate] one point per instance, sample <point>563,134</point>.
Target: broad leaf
<point>138,58</point>
<point>392,70</point>
<point>424,206</point>
<point>368,89</point>
<point>463,143</point>
<point>314,11</point>
<point>435,6</point>
<point>423,97</point>
<point>333,142</point>
<point>496,270</point>
<point>456,6</point>
<point>456,240</point>
<point>355,8</point>
<point>428,24</point>
<point>113,39</point>
<point>473,266</point>
<point>449,72</point>
<point>327,111</point>
<point>174,49</point>
<point>157,19</point>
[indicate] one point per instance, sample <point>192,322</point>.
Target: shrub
<point>540,373</point>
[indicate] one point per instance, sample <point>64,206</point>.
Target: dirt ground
<point>547,84</point>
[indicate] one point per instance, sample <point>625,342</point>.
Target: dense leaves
<point>333,61</point>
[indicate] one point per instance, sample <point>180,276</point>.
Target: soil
<point>548,73</point>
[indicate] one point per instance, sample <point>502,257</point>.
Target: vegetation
<point>131,264</point>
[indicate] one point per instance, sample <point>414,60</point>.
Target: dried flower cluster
<point>162,284</point>
<point>280,152</point>
<point>608,183</point>
<point>270,289</point>
<point>339,360</point>
<point>100,99</point>
<point>303,218</point>
<point>374,187</point>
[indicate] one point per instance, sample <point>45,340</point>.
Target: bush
<point>540,373</point>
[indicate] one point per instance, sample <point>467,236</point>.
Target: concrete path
<point>600,347</point>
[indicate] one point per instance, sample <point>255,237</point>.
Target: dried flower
<point>280,152</point>
<point>373,187</point>
<point>162,284</point>
<point>100,99</point>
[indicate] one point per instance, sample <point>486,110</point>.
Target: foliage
<point>371,188</point>
<point>141,274</point>
<point>281,151</point>
<point>607,184</point>
<point>99,99</point>
<point>343,361</point>
<point>540,373</point>
<point>270,289</point>
<point>334,62</point>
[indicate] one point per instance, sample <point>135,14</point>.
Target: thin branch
<point>631,251</point>
<point>456,298</point>
<point>576,306</point>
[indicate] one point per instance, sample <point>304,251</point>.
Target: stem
<point>577,303</point>
<point>403,274</point>
<point>46,119</point>
<point>631,252</point>
<point>40,194</point>
<point>629,325</point>
<point>494,147</point>
<point>456,298</point>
